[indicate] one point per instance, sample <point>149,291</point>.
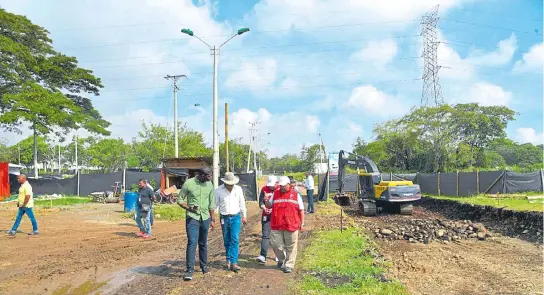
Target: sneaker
<point>287,270</point>
<point>227,266</point>
<point>261,259</point>
<point>140,234</point>
<point>188,276</point>
<point>277,260</point>
<point>279,264</point>
<point>11,234</point>
<point>205,270</point>
<point>235,268</point>
<point>146,236</point>
<point>34,233</point>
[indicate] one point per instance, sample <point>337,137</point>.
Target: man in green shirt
<point>196,196</point>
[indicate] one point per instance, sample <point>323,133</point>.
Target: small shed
<point>175,171</point>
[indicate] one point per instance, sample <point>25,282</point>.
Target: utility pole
<point>215,53</point>
<point>227,136</point>
<point>77,166</point>
<point>35,152</point>
<point>322,154</point>
<point>175,79</point>
<point>252,131</point>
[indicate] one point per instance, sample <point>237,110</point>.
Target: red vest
<point>285,211</point>
<point>268,192</point>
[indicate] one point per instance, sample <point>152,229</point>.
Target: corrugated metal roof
<point>208,160</point>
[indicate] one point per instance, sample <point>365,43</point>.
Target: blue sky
<point>306,67</point>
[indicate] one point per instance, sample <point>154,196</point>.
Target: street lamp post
<point>215,53</point>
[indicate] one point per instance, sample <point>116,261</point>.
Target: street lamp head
<point>243,30</point>
<point>187,31</point>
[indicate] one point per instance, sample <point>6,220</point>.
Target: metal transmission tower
<point>431,82</point>
<point>175,79</point>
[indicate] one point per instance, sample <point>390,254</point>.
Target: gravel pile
<point>426,231</point>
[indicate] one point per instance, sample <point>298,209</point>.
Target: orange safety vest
<point>285,211</point>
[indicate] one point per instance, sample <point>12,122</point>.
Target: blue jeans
<point>146,225</point>
<point>197,232</point>
<point>230,226</point>
<point>30,215</point>
<point>310,194</point>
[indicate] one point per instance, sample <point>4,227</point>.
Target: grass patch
<point>342,263</point>
<point>66,201</point>
<point>513,203</point>
<point>86,288</point>
<point>170,212</point>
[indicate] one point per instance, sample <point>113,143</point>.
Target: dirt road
<point>498,265</point>
<point>90,248</point>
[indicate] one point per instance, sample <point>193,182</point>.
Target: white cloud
<point>530,135</point>
<point>503,54</point>
<point>532,61</point>
<point>253,75</point>
<point>487,94</point>
<point>287,129</point>
<point>368,98</point>
<point>381,52</point>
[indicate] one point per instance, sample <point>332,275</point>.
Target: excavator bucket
<point>342,199</point>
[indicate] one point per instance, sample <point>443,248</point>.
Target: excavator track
<point>368,208</point>
<point>406,209</point>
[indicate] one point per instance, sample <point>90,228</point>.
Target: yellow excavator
<point>374,194</point>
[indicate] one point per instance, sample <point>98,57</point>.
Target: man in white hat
<point>264,196</point>
<point>231,204</point>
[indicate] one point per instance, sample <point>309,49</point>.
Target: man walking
<point>25,203</point>
<point>230,202</point>
<point>152,200</point>
<point>309,185</point>
<point>264,196</point>
<point>287,220</point>
<point>196,196</point>
<point>145,196</point>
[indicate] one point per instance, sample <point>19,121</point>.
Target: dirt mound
<point>516,224</point>
<point>426,231</point>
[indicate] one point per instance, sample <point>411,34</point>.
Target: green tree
<point>41,86</point>
<point>309,156</point>
<point>108,154</point>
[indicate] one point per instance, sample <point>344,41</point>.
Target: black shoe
<point>188,276</point>
<point>205,270</point>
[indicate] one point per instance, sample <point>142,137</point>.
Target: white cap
<point>284,180</point>
<point>272,179</point>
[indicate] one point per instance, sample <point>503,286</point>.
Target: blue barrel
<point>131,201</point>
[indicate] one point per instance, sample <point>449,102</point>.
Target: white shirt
<point>230,203</point>
<point>299,198</point>
<point>309,182</point>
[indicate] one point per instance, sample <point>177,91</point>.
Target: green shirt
<point>196,193</point>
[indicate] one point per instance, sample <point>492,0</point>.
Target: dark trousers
<point>310,194</point>
<point>265,242</point>
<point>197,232</point>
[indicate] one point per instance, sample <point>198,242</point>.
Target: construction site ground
<point>91,249</point>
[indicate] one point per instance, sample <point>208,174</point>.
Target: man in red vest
<point>266,194</point>
<point>286,221</point>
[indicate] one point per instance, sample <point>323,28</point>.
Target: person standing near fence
<point>231,204</point>
<point>287,220</point>
<point>25,203</point>
<point>264,196</point>
<point>309,185</point>
<point>196,196</point>
<point>145,196</point>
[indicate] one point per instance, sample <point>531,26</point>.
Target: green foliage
<point>286,163</point>
<point>238,157</point>
<point>41,86</point>
<point>334,254</point>
<point>109,155</point>
<point>309,156</point>
<point>462,137</point>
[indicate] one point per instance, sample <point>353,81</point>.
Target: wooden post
<point>227,135</point>
<point>457,184</point>
<point>341,218</point>
<point>439,183</point>
<point>477,182</point>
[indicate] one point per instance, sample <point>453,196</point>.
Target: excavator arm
<point>357,162</point>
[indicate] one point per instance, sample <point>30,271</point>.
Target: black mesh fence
<point>459,184</point>
<point>132,178</point>
<point>89,183</point>
<point>248,182</point>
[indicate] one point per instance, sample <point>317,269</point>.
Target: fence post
<point>477,181</point>
<point>504,182</point>
<point>124,187</point>
<point>542,179</point>
<point>390,176</point>
<point>457,184</point>
<point>438,183</point>
<point>78,180</point>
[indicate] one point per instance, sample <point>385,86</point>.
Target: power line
<point>490,26</point>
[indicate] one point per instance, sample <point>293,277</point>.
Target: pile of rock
<point>426,231</point>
